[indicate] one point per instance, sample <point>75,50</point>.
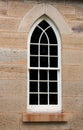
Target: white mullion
<point>38,72</point>
<point>48,86</point>
<point>48,67</point>
<point>48,75</point>
<point>38,88</point>
<point>39,65</point>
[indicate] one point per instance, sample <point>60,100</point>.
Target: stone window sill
<point>45,117</point>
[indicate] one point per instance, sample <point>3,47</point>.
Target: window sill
<point>45,117</point>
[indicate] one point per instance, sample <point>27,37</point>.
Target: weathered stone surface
<point>9,121</point>
<point>72,73</point>
<point>22,8</point>
<point>45,117</point>
<point>13,88</point>
<point>72,56</point>
<point>45,126</point>
<point>13,40</point>
<point>79,10</point>
<point>3,7</point>
<point>13,104</point>
<point>72,89</point>
<point>13,56</point>
<point>77,121</point>
<point>67,11</point>
<point>9,24</point>
<point>77,26</point>
<point>74,2</point>
<point>3,2</point>
<point>73,104</point>
<point>16,74</point>
<point>73,41</point>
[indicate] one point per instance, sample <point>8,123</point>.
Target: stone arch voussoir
<point>39,11</point>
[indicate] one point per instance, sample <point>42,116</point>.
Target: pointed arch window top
<point>43,33</point>
<point>43,24</point>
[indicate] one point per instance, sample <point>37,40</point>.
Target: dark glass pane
<point>51,35</point>
<point>43,39</point>
<point>34,49</point>
<point>33,61</point>
<point>43,74</point>
<point>43,99</point>
<point>53,61</point>
<point>33,86</point>
<point>43,61</point>
<point>43,24</point>
<point>43,87</point>
<point>53,99</point>
<point>43,50</point>
<point>33,99</point>
<point>53,50</point>
<point>52,74</point>
<point>35,35</point>
<point>53,87</point>
<point>33,74</point>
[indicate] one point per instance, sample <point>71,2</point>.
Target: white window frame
<point>45,108</point>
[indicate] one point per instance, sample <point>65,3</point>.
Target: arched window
<point>44,68</point>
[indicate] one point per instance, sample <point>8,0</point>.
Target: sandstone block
<point>72,104</point>
<point>3,2</point>
<point>79,12</point>
<point>73,40</point>
<point>12,75</point>
<point>13,43</point>
<point>45,126</point>
<point>13,104</point>
<point>72,73</point>
<point>9,121</point>
<point>21,6</point>
<point>9,24</point>
<point>13,56</point>
<point>66,9</point>
<point>77,121</point>
<point>72,89</point>
<point>74,2</point>
<point>72,56</point>
<point>3,7</point>
<point>9,88</point>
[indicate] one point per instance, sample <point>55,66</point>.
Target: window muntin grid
<point>43,67</point>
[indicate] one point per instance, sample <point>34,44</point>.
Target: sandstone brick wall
<point>13,65</point>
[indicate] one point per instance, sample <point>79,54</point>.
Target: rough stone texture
<point>45,126</point>
<point>3,7</point>
<point>17,89</point>
<point>73,104</point>
<point>9,24</point>
<point>13,63</point>
<point>72,56</point>
<point>72,73</point>
<point>9,121</point>
<point>22,8</point>
<point>79,10</point>
<point>72,89</point>
<point>12,104</point>
<point>13,40</point>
